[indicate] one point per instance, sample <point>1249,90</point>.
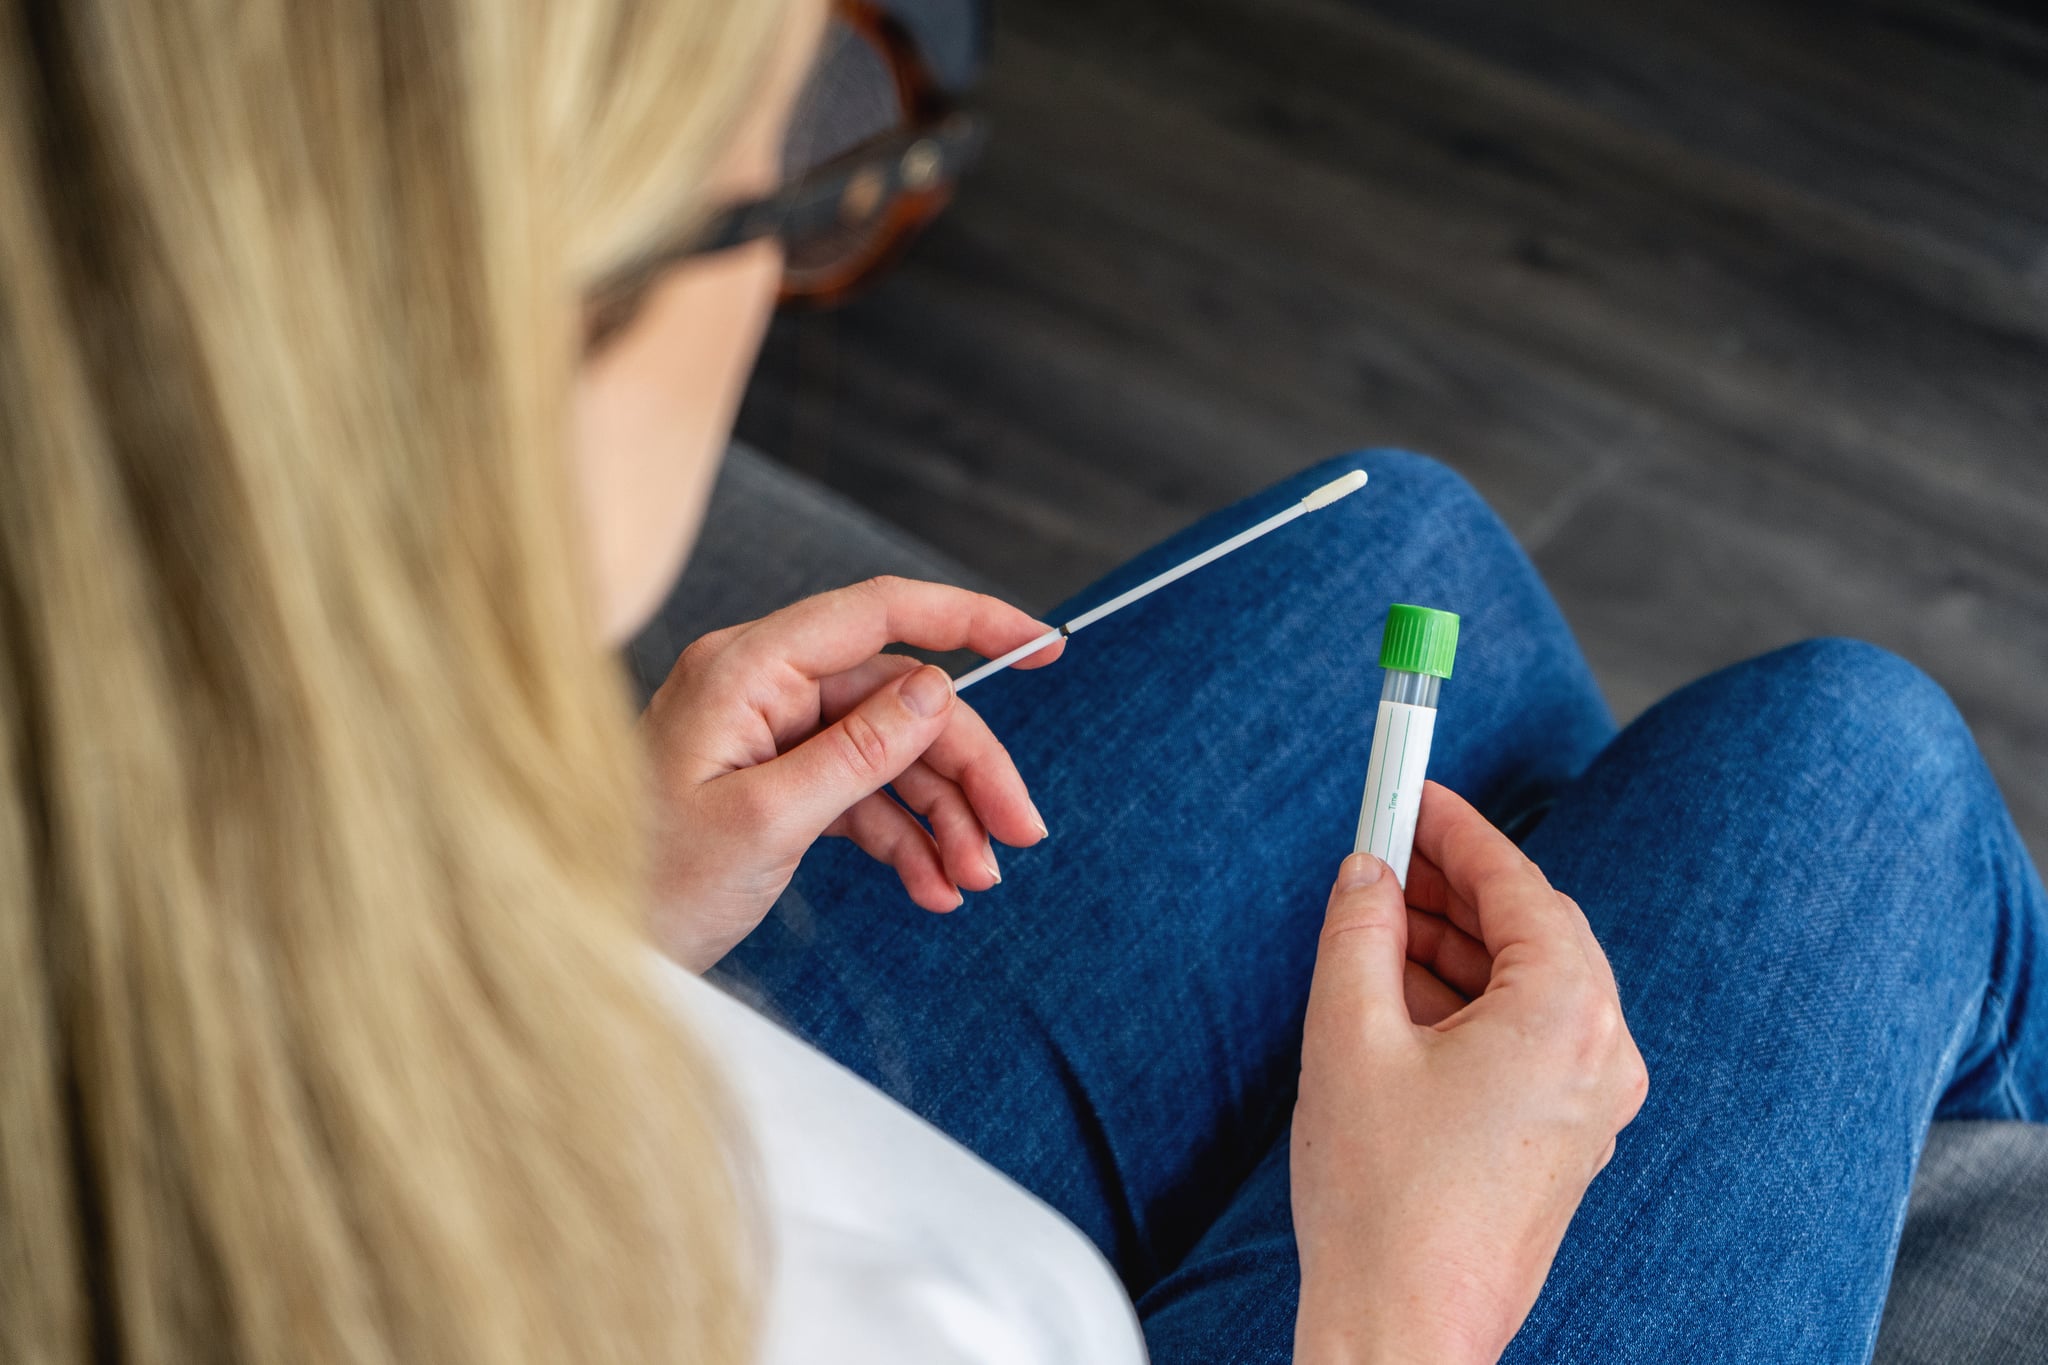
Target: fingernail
<point>988,860</point>
<point>1037,819</point>
<point>958,899</point>
<point>1360,869</point>
<point>926,691</point>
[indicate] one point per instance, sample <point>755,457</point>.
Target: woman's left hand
<point>771,734</point>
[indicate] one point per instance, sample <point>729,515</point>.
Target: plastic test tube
<point>1417,650</point>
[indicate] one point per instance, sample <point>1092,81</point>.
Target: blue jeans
<point>1825,928</point>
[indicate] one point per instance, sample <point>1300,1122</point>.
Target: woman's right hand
<point>1463,1075</point>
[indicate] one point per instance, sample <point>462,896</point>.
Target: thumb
<point>857,755</point>
<point>1362,956</point>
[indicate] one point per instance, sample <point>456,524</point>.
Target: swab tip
<point>1336,488</point>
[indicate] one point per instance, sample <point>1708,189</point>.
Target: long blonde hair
<point>324,1024</point>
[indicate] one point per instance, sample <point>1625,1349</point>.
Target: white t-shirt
<point>892,1242</point>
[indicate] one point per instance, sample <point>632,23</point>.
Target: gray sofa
<point>1971,1283</point>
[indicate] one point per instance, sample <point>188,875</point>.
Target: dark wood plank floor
<point>1736,309</point>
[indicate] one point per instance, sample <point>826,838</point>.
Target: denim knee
<point>1835,745</point>
<point>1424,520</point>
<point>1425,491</point>
<point>1833,754</point>
<point>1523,714</point>
<point>1846,704</point>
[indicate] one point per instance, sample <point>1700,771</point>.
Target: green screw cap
<point>1419,640</point>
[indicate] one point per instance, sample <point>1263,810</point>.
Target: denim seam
<point>2003,1050</point>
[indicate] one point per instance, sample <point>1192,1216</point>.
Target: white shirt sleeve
<point>892,1242</point>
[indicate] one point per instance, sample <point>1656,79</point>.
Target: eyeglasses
<point>874,149</point>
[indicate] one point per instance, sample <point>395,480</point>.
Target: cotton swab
<point>1322,497</point>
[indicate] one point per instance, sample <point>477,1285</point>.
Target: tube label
<point>1393,783</point>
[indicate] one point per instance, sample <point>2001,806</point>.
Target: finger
<point>841,692</point>
<point>1427,888</point>
<point>1449,953</point>
<point>1428,892</point>
<point>1429,1000</point>
<point>1596,955</point>
<point>803,791</point>
<point>967,754</point>
<point>1483,867</point>
<point>1635,1082</point>
<point>835,631</point>
<point>889,834</point>
<point>963,842</point>
<point>1361,959</point>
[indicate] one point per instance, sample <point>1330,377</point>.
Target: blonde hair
<point>325,1023</point>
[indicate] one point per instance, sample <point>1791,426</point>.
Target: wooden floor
<point>1736,309</point>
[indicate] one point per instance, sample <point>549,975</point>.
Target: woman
<point>329,1030</point>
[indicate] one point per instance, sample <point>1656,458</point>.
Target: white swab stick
<point>1320,498</point>
<point>1017,655</point>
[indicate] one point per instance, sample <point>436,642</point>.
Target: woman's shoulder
<point>891,1241</point>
